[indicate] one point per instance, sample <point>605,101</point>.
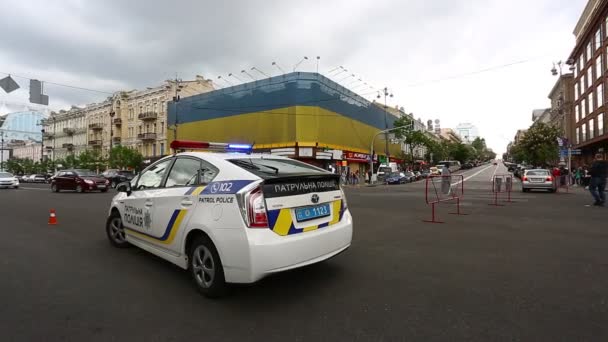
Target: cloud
<point>113,45</point>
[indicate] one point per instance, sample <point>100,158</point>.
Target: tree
<point>539,145</point>
<point>461,152</point>
<point>90,159</point>
<point>122,157</point>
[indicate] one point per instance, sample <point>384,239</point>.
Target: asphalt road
<point>533,270</point>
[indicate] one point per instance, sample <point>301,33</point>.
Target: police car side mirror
<point>124,187</point>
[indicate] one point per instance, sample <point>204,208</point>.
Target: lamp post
<point>112,113</point>
<point>371,151</point>
<point>318,58</point>
<point>278,67</point>
<point>386,94</point>
<point>2,151</point>
<point>300,62</point>
<point>42,146</point>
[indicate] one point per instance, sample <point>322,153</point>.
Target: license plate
<point>537,180</point>
<point>101,186</point>
<point>311,213</point>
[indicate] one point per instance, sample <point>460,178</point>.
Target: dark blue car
<point>399,178</point>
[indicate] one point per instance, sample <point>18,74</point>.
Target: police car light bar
<point>210,146</point>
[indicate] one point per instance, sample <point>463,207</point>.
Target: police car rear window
<point>271,168</point>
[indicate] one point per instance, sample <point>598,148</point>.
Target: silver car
<point>537,179</point>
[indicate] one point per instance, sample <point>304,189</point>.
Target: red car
<point>79,180</point>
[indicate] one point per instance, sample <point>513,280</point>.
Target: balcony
<point>146,136</point>
<point>69,131</point>
<point>68,146</point>
<point>147,116</point>
<point>95,143</point>
<point>95,127</point>
<point>48,135</point>
<point>117,121</point>
<point>116,140</point>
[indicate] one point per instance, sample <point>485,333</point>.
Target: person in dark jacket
<point>597,185</point>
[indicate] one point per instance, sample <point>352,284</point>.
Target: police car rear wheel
<point>206,268</point>
<point>116,231</point>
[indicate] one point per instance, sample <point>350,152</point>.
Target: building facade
<point>562,106</point>
<point>26,125</point>
<point>65,133</point>
<point>589,58</point>
<point>136,119</point>
<point>450,135</point>
<point>467,132</point>
<point>26,150</point>
<point>301,115</point>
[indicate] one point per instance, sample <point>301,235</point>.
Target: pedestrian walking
<point>579,176</point>
<point>446,180</point>
<point>586,177</point>
<point>597,185</point>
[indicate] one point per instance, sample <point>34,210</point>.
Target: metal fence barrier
<point>502,184</point>
<point>442,189</point>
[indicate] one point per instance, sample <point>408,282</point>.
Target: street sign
<point>576,152</point>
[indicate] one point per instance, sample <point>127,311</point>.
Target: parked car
<point>117,176</point>
<point>7,180</point>
<point>79,180</point>
<point>37,178</point>
<point>418,175</point>
<point>410,176</point>
<point>537,179</point>
<point>425,173</point>
<point>466,166</point>
<point>435,170</point>
<point>395,178</point>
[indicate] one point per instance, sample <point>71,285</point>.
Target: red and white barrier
<point>442,189</point>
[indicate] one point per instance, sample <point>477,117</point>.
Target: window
<point>153,150</point>
<point>581,62</point>
<point>162,149</point>
<point>185,172</point>
<point>598,67</point>
<point>584,130</point>
<point>600,124</point>
<point>152,177</point>
<point>583,108</point>
<point>588,54</point>
<point>578,137</point>
<point>270,168</point>
<point>600,95</point>
<point>576,91</point>
<point>162,127</point>
<point>591,103</point>
<point>598,38</point>
<point>577,113</point>
<point>589,77</point>
<point>591,129</point>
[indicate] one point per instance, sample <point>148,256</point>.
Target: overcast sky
<point>403,44</point>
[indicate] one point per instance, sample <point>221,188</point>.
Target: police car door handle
<point>148,203</point>
<point>186,202</point>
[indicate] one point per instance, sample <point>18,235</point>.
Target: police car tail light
<point>344,203</point>
<point>256,210</point>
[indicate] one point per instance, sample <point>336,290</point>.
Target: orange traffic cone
<point>52,217</point>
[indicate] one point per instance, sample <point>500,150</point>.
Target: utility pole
<point>2,151</point>
<point>386,94</point>
<point>176,99</point>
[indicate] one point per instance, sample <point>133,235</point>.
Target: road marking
<point>473,175</point>
<point>41,189</point>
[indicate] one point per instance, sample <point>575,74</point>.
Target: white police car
<point>231,217</point>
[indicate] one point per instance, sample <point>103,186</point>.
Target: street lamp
<point>112,113</point>
<point>318,58</point>
<point>42,146</point>
<point>278,67</point>
<point>386,94</point>
<point>300,62</point>
<point>248,74</point>
<point>233,75</point>
<point>260,71</point>
<point>2,151</point>
<point>371,151</point>
<point>225,80</point>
